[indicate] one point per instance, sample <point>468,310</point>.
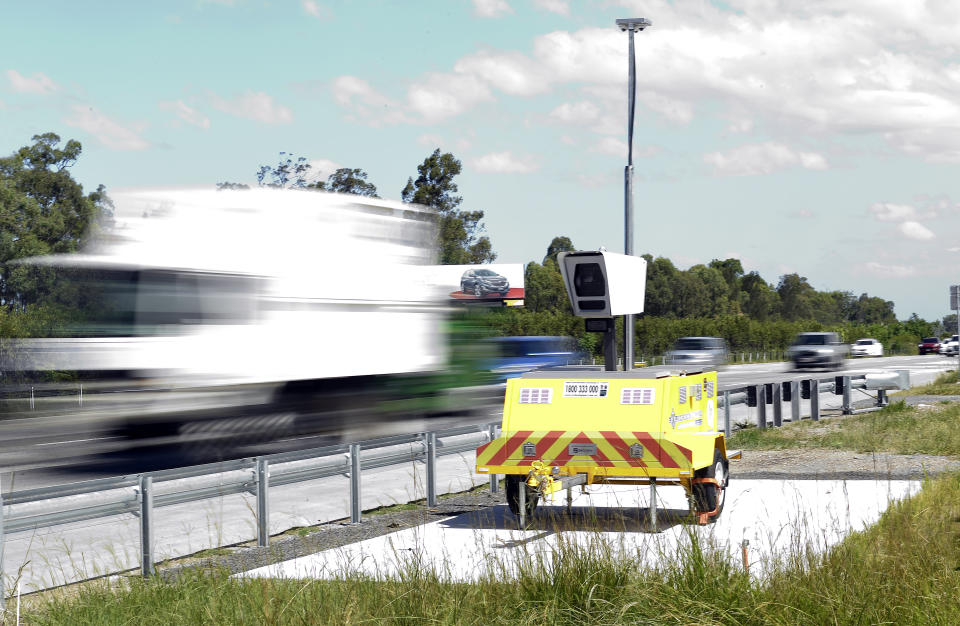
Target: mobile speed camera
<point>603,284</point>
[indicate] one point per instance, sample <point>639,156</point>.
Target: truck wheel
<point>514,485</point>
<point>705,495</point>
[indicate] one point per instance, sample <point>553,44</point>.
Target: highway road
<point>69,445</point>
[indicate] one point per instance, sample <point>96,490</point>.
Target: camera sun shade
<point>603,284</point>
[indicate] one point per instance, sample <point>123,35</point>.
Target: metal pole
<point>761,406</point>
<point>777,405</point>
<point>146,530</point>
<point>653,506</point>
<point>847,409</point>
<point>794,401</point>
<point>815,399</point>
<point>522,499</point>
<point>610,349</point>
<point>726,413</point>
<point>355,483</point>
<point>431,469</point>
<point>494,479</point>
<point>263,504</point>
<point>628,197</point>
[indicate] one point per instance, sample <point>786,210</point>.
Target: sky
<point>816,137</point>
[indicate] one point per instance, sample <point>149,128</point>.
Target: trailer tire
<point>514,484</point>
<point>706,497</point>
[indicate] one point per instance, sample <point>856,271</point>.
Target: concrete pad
<point>779,518</point>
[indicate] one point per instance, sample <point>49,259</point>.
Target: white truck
<point>261,297</point>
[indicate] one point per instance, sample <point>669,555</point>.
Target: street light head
<point>634,23</point>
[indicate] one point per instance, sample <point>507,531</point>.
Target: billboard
<point>484,283</point>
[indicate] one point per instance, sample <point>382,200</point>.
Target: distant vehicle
<point>866,347</point>
<point>949,347</point>
<point>699,352</point>
<point>517,355</point>
<point>483,282</point>
<point>818,350</point>
<point>929,345</point>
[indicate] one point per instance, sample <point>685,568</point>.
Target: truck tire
<point>705,495</point>
<point>514,484</point>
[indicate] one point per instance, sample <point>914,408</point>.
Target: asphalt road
<point>66,443</point>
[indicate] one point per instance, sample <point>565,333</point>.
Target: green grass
<point>903,570</point>
<point>896,428</point>
<point>944,385</point>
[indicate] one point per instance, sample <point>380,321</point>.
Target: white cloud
<point>504,163</point>
<point>740,126</point>
<point>561,7</point>
<point>879,68</point>
<point>491,8</point>
<point>430,140</point>
<point>186,113</point>
<point>107,131</point>
<point>365,102</point>
<point>916,230</point>
<point>254,105</point>
<point>446,95</point>
<point>576,112</point>
<point>320,169</point>
<point>38,84</point>
<point>889,212</point>
<point>761,158</point>
<point>954,249</point>
<point>889,271</point>
<point>803,214</point>
<point>313,9</point>
<point>612,146</point>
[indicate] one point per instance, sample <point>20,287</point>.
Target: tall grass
<point>903,570</point>
<point>896,428</point>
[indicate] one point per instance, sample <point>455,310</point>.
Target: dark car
<point>929,345</point>
<point>482,282</point>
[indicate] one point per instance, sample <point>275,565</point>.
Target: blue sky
<point>820,137</point>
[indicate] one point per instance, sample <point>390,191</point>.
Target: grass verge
<point>944,385</point>
<point>896,428</point>
<point>902,570</point>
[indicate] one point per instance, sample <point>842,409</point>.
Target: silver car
<point>698,352</point>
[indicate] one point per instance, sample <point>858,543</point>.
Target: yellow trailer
<point>564,428</point>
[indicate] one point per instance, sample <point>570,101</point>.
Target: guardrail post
<point>431,469</point>
<point>815,399</point>
<point>761,406</point>
<point>726,413</point>
<point>794,400</point>
<point>777,407</point>
<point>146,530</point>
<point>847,409</point>
<point>494,479</point>
<point>653,505</point>
<point>355,483</point>
<point>263,504</point>
<point>881,398</point>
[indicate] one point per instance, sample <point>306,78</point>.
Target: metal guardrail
<point>141,493</point>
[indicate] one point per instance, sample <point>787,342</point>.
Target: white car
<point>948,347</point>
<point>866,347</point>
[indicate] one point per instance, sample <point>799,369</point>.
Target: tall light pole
<point>631,25</point>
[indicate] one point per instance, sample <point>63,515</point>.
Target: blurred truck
<point>283,299</point>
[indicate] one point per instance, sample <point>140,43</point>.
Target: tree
<point>287,173</point>
<point>558,245</point>
<point>43,210</point>
<point>459,232</point>
<point>757,298</point>
<point>796,297</point>
<point>346,180</point>
<point>226,186</point>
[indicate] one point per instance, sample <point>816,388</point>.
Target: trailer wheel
<point>705,495</point>
<point>514,485</point>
